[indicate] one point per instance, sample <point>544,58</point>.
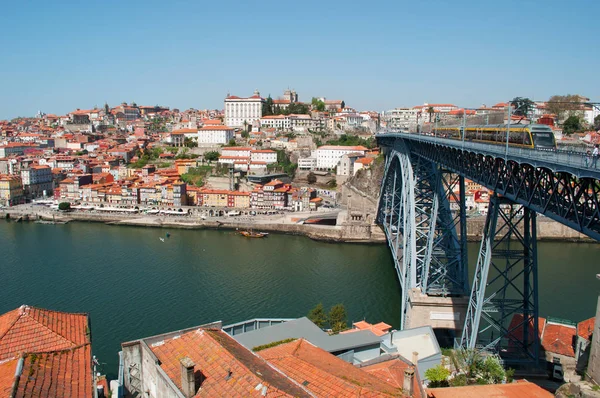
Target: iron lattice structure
<point>502,316</point>
<point>569,197</point>
<point>427,239</point>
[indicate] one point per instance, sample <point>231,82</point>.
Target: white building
<point>239,110</point>
<point>401,118</point>
<point>263,155</point>
<point>309,163</point>
<point>279,122</point>
<point>214,134</point>
<point>328,156</point>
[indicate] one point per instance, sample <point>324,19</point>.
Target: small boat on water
<point>250,234</point>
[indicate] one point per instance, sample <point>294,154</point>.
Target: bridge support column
<point>502,315</point>
<point>427,237</point>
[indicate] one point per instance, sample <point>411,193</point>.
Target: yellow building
<point>240,200</point>
<point>11,190</point>
<point>215,198</point>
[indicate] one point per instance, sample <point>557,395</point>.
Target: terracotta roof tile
<point>229,369</point>
<point>392,372</point>
<point>66,373</point>
<point>30,329</point>
<point>513,390</point>
<point>7,376</point>
<point>586,328</point>
<point>559,339</point>
<point>324,374</point>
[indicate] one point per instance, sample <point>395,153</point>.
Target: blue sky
<point>374,55</point>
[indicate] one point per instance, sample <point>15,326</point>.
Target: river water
<point>133,285</point>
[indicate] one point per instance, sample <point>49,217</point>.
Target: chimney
<point>188,380</point>
<point>415,358</point>
<point>407,386</point>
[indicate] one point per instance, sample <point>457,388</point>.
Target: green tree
<point>311,178</point>
<point>190,143</point>
<point>572,125</point>
<point>318,105</point>
<point>343,104</point>
<point>64,206</point>
<point>564,105</point>
<point>597,123</point>
<point>318,316</point>
<point>437,376</point>
<point>522,106</point>
<point>231,142</point>
<point>431,111</point>
<point>211,156</point>
<point>267,107</point>
<point>338,319</point>
<point>492,371</point>
<point>245,134</point>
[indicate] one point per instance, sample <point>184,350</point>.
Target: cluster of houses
<point>49,353</point>
<point>423,117</point>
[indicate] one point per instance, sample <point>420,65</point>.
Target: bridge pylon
<point>502,316</point>
<point>427,237</point>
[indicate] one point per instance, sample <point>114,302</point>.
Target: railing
<point>568,158</point>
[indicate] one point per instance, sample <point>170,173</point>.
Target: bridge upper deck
<point>574,162</point>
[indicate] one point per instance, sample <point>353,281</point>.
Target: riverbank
<point>345,233</point>
<point>353,232</point>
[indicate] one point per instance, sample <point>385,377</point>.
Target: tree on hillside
<point>563,105</point>
<point>64,206</point>
<point>343,104</point>
<point>318,316</point>
<point>211,156</point>
<point>311,178</point>
<point>572,125</point>
<point>522,106</point>
<point>190,143</point>
<point>318,105</point>
<point>597,123</point>
<point>431,111</point>
<point>267,107</point>
<point>338,319</point>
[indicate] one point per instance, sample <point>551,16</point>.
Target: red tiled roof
<point>228,368</point>
<point>392,372</point>
<point>559,339</point>
<point>66,373</point>
<point>30,329</point>
<point>513,390</point>
<point>7,376</point>
<point>324,374</point>
<point>586,328</point>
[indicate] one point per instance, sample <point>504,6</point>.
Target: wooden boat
<point>250,234</point>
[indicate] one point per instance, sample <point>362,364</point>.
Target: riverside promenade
<point>287,223</point>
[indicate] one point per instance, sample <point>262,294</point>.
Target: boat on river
<point>251,234</point>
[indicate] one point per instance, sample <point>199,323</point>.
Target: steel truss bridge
<point>423,213</point>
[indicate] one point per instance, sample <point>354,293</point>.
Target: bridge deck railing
<point>570,160</point>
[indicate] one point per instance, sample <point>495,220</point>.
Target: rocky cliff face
<point>369,181</point>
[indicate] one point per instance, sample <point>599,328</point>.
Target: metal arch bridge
<point>423,212</point>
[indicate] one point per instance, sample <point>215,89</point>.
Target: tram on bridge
<point>532,136</point>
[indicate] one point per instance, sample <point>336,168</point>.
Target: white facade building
<point>328,156</point>
<point>239,110</point>
<point>309,163</point>
<point>401,118</point>
<point>263,155</point>
<point>215,135</point>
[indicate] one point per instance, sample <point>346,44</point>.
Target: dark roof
<point>304,328</point>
